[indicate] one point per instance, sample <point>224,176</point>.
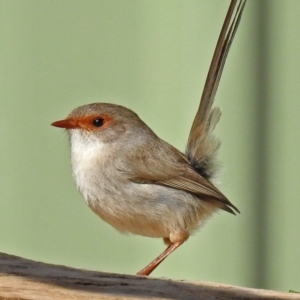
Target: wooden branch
<point>22,279</point>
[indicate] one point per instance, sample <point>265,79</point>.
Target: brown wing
<point>197,185</point>
<point>164,165</point>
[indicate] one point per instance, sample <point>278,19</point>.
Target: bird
<point>139,183</point>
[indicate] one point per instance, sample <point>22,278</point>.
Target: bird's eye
<point>98,122</point>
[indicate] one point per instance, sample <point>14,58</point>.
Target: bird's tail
<point>202,145</point>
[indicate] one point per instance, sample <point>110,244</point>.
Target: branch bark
<point>22,279</point>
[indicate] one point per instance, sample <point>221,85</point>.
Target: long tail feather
<point>202,145</point>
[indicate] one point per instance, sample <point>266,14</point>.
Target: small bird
<point>139,183</point>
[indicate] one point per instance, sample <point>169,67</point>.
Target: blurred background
<point>153,57</point>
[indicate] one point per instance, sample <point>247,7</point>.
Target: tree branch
<point>22,279</point>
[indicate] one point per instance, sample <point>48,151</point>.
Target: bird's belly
<point>135,224</point>
<point>148,209</point>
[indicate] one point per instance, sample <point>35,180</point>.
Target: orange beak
<point>67,124</point>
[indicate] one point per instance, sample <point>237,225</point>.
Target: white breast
<point>86,154</point>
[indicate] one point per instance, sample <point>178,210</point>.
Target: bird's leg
<point>148,269</point>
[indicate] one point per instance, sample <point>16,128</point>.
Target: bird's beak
<point>67,124</point>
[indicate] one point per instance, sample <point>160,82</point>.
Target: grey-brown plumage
<point>139,183</point>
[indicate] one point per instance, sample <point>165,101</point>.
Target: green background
<point>153,57</point>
